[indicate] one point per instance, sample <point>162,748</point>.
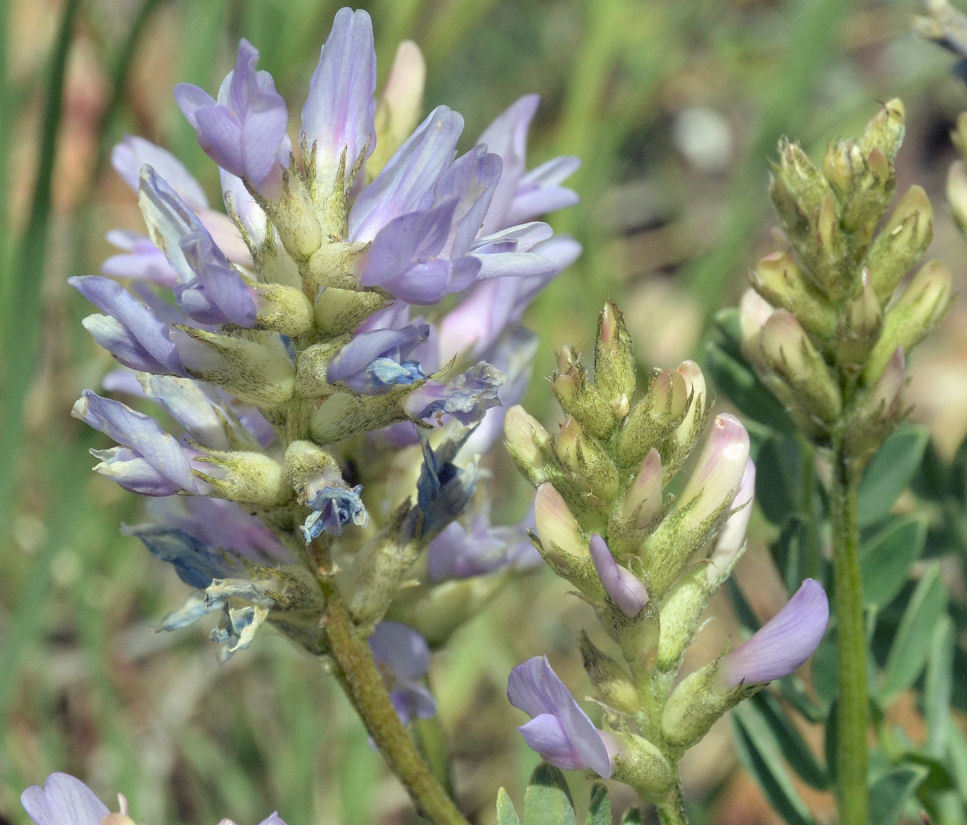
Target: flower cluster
<point>826,325</point>
<point>316,414</point>
<point>647,561</point>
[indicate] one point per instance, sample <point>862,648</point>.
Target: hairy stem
<point>672,810</point>
<point>851,751</point>
<point>361,680</point>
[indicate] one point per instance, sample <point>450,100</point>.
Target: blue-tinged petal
<point>209,288</point>
<point>406,183</point>
<point>366,347</point>
<point>273,819</point>
<point>145,439</point>
<point>188,404</point>
<point>457,553</point>
<point>783,644</point>
<point>63,800</point>
<point>545,735</point>
<point>195,563</point>
<point>129,330</point>
<point>471,179</point>
<point>622,585</point>
<point>128,469</point>
<point>140,259</point>
<point>535,688</point>
<point>239,200</point>
<point>443,488</point>
<point>403,657</point>
<point>132,153</point>
<point>338,113</point>
<point>244,131</point>
<point>334,506</point>
<point>538,192</point>
<point>507,137</point>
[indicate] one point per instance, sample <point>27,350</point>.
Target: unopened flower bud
<point>528,443</point>
<point>682,439</point>
<point>782,283</point>
<point>957,193</point>
<point>653,417</point>
<point>901,243</point>
<point>859,324</point>
<point>826,249</point>
<point>579,398</point>
<point>643,501</point>
<point>562,545</point>
<point>919,310</point>
<point>334,264</point>
<point>305,461</point>
<point>399,105</point>
<point>610,679</point>
<point>295,217</point>
<point>754,311</point>
<point>311,367</point>
<point>798,189</point>
<point>886,129</point>
<point>624,588</point>
<point>788,351</point>
<point>259,372</point>
<point>842,163</point>
<point>614,358</point>
<point>585,462</point>
<point>246,477</point>
<point>881,410</point>
<point>640,764</point>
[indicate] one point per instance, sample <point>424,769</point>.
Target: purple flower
<point>132,153</point>
<point>149,461</point>
<point>338,113</point>
<point>244,132</point>
<point>458,553</point>
<point>333,505</point>
<point>623,586</point>
<point>129,330</point>
<point>403,656</point>
<point>209,288</point>
<point>375,360</point>
<point>466,398</point>
<point>784,643</point>
<point>443,489</point>
<point>63,800</point>
<point>559,730</point>
<point>139,258</point>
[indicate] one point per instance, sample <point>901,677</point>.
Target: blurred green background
<point>674,108</point>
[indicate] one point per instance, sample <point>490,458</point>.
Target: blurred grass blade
<point>24,282</point>
<point>939,684</point>
<point>886,558</point>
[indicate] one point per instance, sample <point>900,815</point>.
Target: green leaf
<point>912,643</point>
<point>890,472</point>
<point>632,816</point>
<point>758,753</point>
<point>786,738</point>
<point>600,811</point>
<point>506,813</point>
<point>938,778</point>
<point>887,557</point>
<point>939,686</point>
<point>957,759</point>
<point>890,792</point>
<point>547,800</point>
<point>778,472</point>
<point>733,377</point>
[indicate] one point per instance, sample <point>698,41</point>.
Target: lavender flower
<point>291,333</point>
<point>403,656</point>
<point>784,643</point>
<point>559,730</point>
<point>621,584</point>
<point>64,800</point>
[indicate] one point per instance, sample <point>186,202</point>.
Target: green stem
<point>851,751</point>
<point>672,810</point>
<point>360,679</point>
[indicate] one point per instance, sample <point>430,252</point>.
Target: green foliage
<point>547,801</point>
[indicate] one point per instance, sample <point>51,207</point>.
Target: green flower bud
<point>338,311</point>
<point>782,283</point>
<point>614,358</point>
<point>859,325</point>
<point>303,462</point>
<point>283,309</point>
<point>754,311</point>
<point>333,264</point>
<point>258,371</point>
<point>580,399</point>
<point>342,414</point>
<point>643,501</point>
<point>682,438</point>
<point>528,443</point>
<point>843,162</point>
<point>790,353</point>
<point>611,681</point>
<point>246,477</point>
<point>585,463</point>
<point>295,217</point>
<point>798,190</point>
<point>883,407</point>
<point>919,310</point>
<point>885,131</point>
<point>660,410</point>
<point>638,763</point>
<point>901,243</point>
<point>562,544</point>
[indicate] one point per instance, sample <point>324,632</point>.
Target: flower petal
<point>63,800</point>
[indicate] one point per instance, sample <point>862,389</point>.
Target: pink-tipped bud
<point>558,529</point>
<point>644,497</point>
<point>731,539</point>
<point>782,644</point>
<point>719,472</point>
<point>624,588</point>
